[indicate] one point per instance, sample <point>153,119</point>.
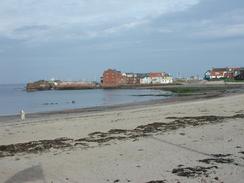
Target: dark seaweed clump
<point>100,138</point>
<point>193,171</point>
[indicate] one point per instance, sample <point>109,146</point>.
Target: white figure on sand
<point>22,115</point>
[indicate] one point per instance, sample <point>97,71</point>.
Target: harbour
<point>14,98</point>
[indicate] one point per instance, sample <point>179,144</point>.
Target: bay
<point>13,98</point>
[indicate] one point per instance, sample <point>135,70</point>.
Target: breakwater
<point>60,85</point>
<point>43,85</point>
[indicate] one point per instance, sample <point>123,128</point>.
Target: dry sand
<point>195,141</point>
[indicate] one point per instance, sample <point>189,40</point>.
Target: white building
<point>156,80</point>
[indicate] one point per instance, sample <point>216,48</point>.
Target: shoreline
<point>174,98</point>
<point>191,140</point>
<point>209,90</point>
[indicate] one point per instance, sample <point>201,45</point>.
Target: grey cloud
<point>68,19</point>
<point>207,20</point>
<point>138,36</point>
<point>31,28</point>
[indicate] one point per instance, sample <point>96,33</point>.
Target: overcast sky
<point>78,39</point>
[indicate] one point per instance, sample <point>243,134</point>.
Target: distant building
<point>156,78</point>
<point>146,80</point>
<point>218,73</point>
<point>222,73</point>
<point>160,78</point>
<point>113,78</point>
<point>132,78</point>
<point>207,75</point>
<point>240,74</point>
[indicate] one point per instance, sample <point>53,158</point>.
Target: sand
<point>194,141</point>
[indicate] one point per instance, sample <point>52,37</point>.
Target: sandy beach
<point>188,141</point>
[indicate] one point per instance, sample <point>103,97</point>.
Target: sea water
<point>14,98</point>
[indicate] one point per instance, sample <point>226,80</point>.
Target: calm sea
<point>13,98</point>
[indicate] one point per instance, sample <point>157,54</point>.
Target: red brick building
<point>112,78</point>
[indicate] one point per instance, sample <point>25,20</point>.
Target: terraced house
<point>113,78</point>
<point>224,73</point>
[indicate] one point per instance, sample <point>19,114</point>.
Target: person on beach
<point>22,115</point>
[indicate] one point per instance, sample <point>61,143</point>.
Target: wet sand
<point>198,139</point>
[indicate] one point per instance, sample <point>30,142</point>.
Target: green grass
<point>232,80</point>
<point>185,90</point>
<point>193,90</point>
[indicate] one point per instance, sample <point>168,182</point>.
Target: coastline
<point>192,139</point>
<point>174,98</point>
<point>197,91</point>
